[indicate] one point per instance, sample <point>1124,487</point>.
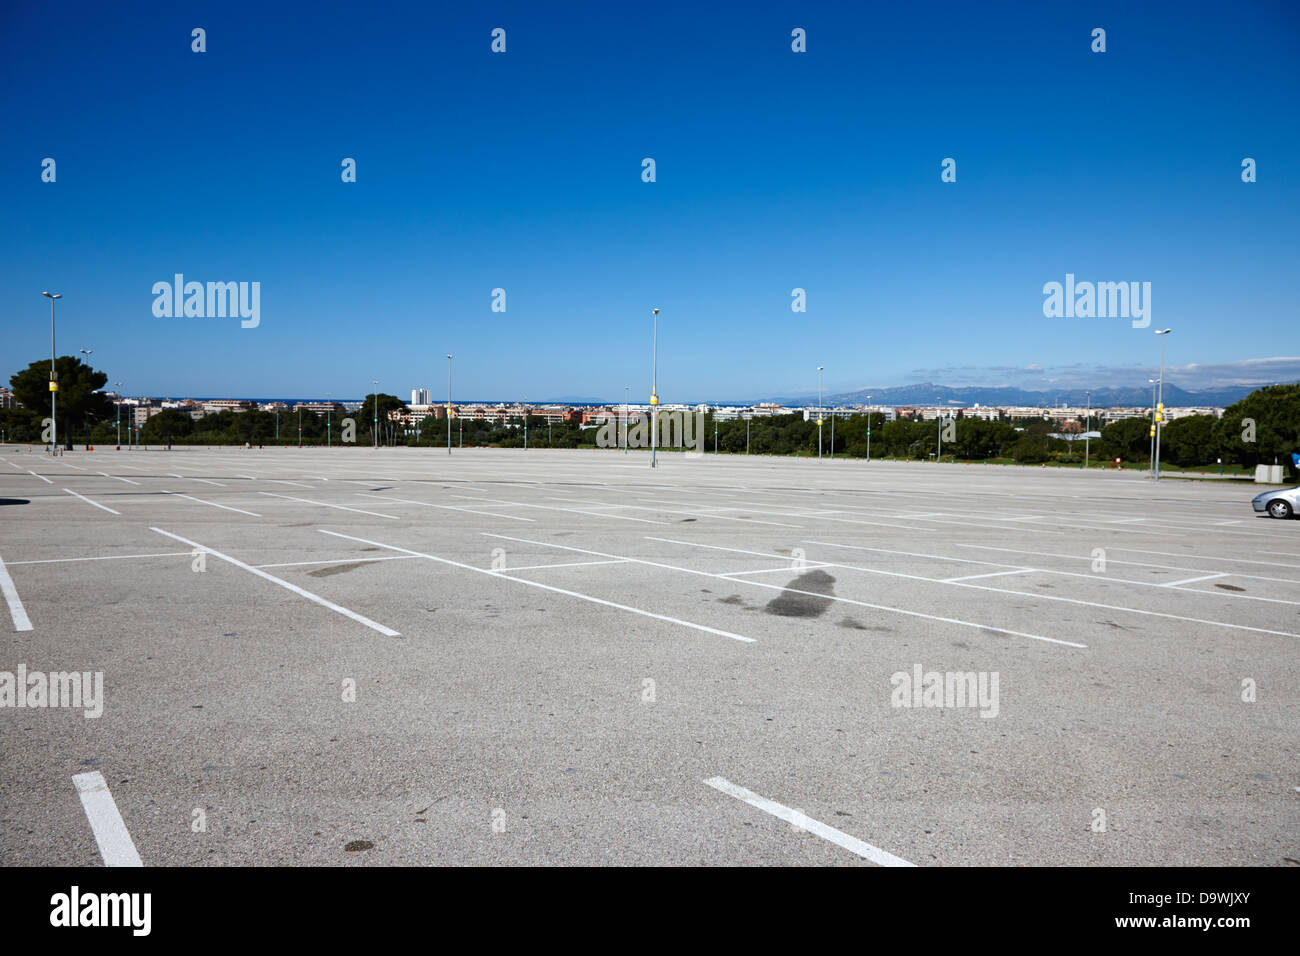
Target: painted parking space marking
<point>804,822</point>
<point>213,504</point>
<point>324,504</point>
<point>116,847</point>
<point>429,504</point>
<point>316,598</point>
<point>89,502</point>
<point>548,587</point>
<point>1205,577</point>
<point>777,587</point>
<point>991,574</point>
<point>10,591</point>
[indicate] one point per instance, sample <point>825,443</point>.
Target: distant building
<point>419,396</point>
<point>226,405</point>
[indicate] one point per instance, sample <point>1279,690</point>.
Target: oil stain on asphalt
<point>791,603</point>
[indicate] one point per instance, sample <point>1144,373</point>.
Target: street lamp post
<point>375,429</point>
<point>449,404</point>
<point>117,412</point>
<point>1160,404</point>
<point>1151,459</point>
<point>329,418</point>
<point>654,388</point>
<point>85,419</point>
<point>819,411</point>
<point>54,376</point>
<point>868,428</point>
<point>627,401</point>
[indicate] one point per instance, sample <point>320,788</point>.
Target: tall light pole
<point>449,404</point>
<point>627,401</point>
<point>525,423</point>
<point>54,376</point>
<point>117,409</point>
<point>1151,461</point>
<point>868,428</point>
<point>1087,431</point>
<point>819,411</point>
<point>329,418</point>
<point>1160,404</point>
<point>654,388</point>
<point>375,429</point>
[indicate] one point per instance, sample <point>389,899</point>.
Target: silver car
<point>1280,503</point>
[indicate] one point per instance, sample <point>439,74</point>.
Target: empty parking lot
<point>396,656</point>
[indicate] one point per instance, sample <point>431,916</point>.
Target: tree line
<point>1261,428</point>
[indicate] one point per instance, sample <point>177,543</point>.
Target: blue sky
<point>775,170</point>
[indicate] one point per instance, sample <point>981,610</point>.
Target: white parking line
<point>115,844</point>
<point>781,812</point>
<point>1082,557</point>
<point>428,504</point>
<point>285,584</point>
<point>777,587</point>
<point>568,564</point>
<point>788,569</point>
<point>190,478</point>
<point>1039,596</point>
<point>16,611</point>
<point>594,514</point>
<point>42,477</point>
<point>119,478</point>
<point>89,502</point>
<point>323,504</point>
<point>302,564</point>
<point>991,574</point>
<point>212,503</point>
<point>1207,557</point>
<point>1207,577</point>
<point>547,587</point>
<point>106,557</point>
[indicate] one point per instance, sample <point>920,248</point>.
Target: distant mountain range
<point>931,394</point>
